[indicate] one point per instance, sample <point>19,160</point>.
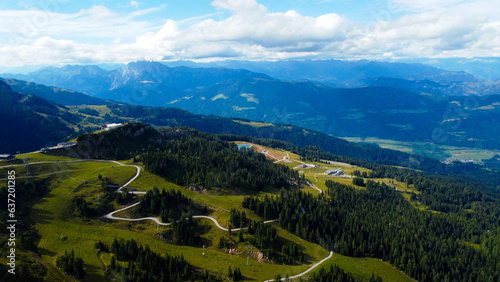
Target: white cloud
<point>426,5</point>
<point>134,4</point>
<point>250,31</point>
<point>440,29</point>
<point>98,12</point>
<point>240,6</point>
<point>250,26</point>
<point>97,24</point>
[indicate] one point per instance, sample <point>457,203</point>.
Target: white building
<point>109,126</point>
<point>335,172</point>
<point>6,157</point>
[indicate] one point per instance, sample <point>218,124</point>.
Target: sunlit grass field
<point>61,231</point>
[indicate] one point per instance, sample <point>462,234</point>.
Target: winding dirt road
<point>110,216</point>
<point>137,174</point>
<point>308,270</point>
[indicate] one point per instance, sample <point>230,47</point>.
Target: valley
<point>441,152</point>
<point>394,101</point>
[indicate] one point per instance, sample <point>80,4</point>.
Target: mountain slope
<point>385,110</point>
<point>85,79</point>
<point>29,122</point>
<point>459,88</point>
<point>374,111</point>
<point>364,73</point>
<point>54,94</point>
<point>154,84</point>
<point>339,73</point>
<point>93,80</point>
<point>377,111</point>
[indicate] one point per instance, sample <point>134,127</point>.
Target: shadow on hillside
<point>45,252</point>
<point>41,216</point>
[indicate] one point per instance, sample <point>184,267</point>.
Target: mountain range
<point>332,73</point>
<point>363,73</point>
<point>31,122</point>
<point>413,108</point>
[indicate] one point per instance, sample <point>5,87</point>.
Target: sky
<point>58,32</point>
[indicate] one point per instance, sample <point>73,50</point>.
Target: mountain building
<point>6,157</point>
<point>109,126</point>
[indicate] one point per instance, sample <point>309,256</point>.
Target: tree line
<point>265,237</point>
<point>133,262</point>
<point>237,218</point>
<point>378,222</point>
<point>184,231</point>
<point>168,204</point>
<point>71,264</point>
<point>210,162</point>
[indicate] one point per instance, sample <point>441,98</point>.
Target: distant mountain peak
<point>145,65</point>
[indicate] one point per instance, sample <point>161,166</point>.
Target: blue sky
<point>55,32</point>
<point>179,10</point>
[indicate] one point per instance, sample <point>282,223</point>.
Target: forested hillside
<point>29,122</point>
<point>188,157</point>
<point>213,163</point>
<point>379,222</point>
<point>434,228</point>
<point>54,94</point>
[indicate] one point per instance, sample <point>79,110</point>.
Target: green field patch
<point>357,115</point>
<point>250,97</point>
<point>253,123</point>
<point>273,153</point>
<point>364,267</point>
<point>41,157</point>
<point>473,245</point>
<point>219,96</point>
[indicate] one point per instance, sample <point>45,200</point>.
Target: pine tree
<point>240,236</point>
<point>112,264</point>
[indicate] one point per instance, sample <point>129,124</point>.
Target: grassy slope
<point>61,232</point>
<point>362,267</point>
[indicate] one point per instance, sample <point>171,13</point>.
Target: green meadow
<point>61,231</point>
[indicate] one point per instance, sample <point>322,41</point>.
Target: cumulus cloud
<point>250,31</point>
<point>134,4</point>
<point>95,24</point>
<point>252,27</point>
<point>444,31</point>
<point>98,12</point>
